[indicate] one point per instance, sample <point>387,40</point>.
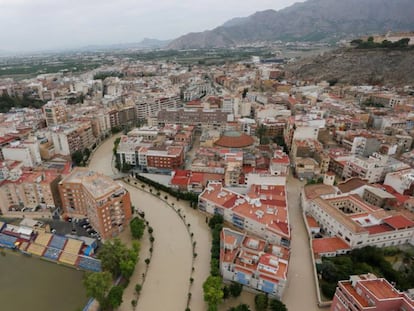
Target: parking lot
<point>74,226</point>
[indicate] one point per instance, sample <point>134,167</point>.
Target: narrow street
<point>301,292</point>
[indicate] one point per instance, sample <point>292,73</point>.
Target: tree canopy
<point>117,258</point>
<point>137,226</point>
<point>114,298</point>
<point>213,293</point>
<point>97,285</point>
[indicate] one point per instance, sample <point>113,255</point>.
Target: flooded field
<point>28,283</point>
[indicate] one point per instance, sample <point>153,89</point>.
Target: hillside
<point>313,20</point>
<point>357,67</point>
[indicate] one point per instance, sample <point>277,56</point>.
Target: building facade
<point>105,202</point>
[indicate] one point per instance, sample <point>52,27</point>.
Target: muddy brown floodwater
<point>167,281</point>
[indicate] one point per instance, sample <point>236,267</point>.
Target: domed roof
<point>234,139</point>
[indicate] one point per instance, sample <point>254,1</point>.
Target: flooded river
<point>33,284</point>
<point>167,281</point>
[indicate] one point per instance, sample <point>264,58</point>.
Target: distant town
<point>247,187</point>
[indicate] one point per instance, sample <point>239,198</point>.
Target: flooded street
<point>167,281</point>
<point>28,283</point>
<point>301,292</point>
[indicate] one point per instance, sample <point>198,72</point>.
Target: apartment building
<point>27,152</point>
<point>33,190</point>
<point>55,112</point>
<point>262,211</point>
<point>368,292</point>
<point>197,117</point>
<point>280,163</point>
<point>253,262</point>
<point>163,158</point>
<point>70,137</point>
<point>401,181</point>
<point>148,106</point>
<point>373,169</point>
<point>106,203</point>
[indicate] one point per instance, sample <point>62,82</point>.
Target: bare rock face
<point>313,20</point>
<point>358,66</point>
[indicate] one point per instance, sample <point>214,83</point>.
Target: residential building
<point>198,117</point>
<point>253,262</point>
<point>71,137</point>
<point>106,203</point>
<point>280,163</point>
<point>27,152</point>
<point>33,191</point>
<point>368,292</point>
<point>55,112</point>
<point>262,211</point>
<point>401,181</point>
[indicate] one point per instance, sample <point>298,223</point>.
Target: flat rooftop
<point>98,185</point>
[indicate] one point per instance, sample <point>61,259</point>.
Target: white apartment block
<point>148,106</point>
<point>402,181</point>
<point>27,152</point>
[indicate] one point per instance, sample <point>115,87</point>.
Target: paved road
<point>300,293</point>
<point>167,281</point>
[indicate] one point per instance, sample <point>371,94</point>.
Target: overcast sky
<point>28,25</point>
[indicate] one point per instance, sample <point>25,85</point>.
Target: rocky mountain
<point>357,67</point>
<point>313,20</point>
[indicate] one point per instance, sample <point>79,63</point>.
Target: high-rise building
<point>106,203</point>
<point>55,112</point>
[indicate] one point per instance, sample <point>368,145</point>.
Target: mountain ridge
<point>313,20</point>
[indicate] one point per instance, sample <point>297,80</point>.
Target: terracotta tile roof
<point>315,191</point>
<point>351,184</point>
<point>234,140</point>
<point>312,223</point>
<point>329,245</point>
<point>399,222</point>
<point>380,288</point>
<point>352,292</point>
<point>379,229</point>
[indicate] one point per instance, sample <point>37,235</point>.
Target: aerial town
<point>212,172</point>
<point>262,154</point>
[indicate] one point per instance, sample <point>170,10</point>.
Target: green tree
<point>127,267</point>
<point>114,298</point>
<point>137,226</point>
<point>111,255</point>
<point>77,157</point>
<point>261,133</point>
<point>235,289</point>
<point>97,285</point>
<point>277,305</point>
<point>216,219</point>
<point>116,144</point>
<point>261,301</point>
<point>240,307</point>
<point>213,292</point>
